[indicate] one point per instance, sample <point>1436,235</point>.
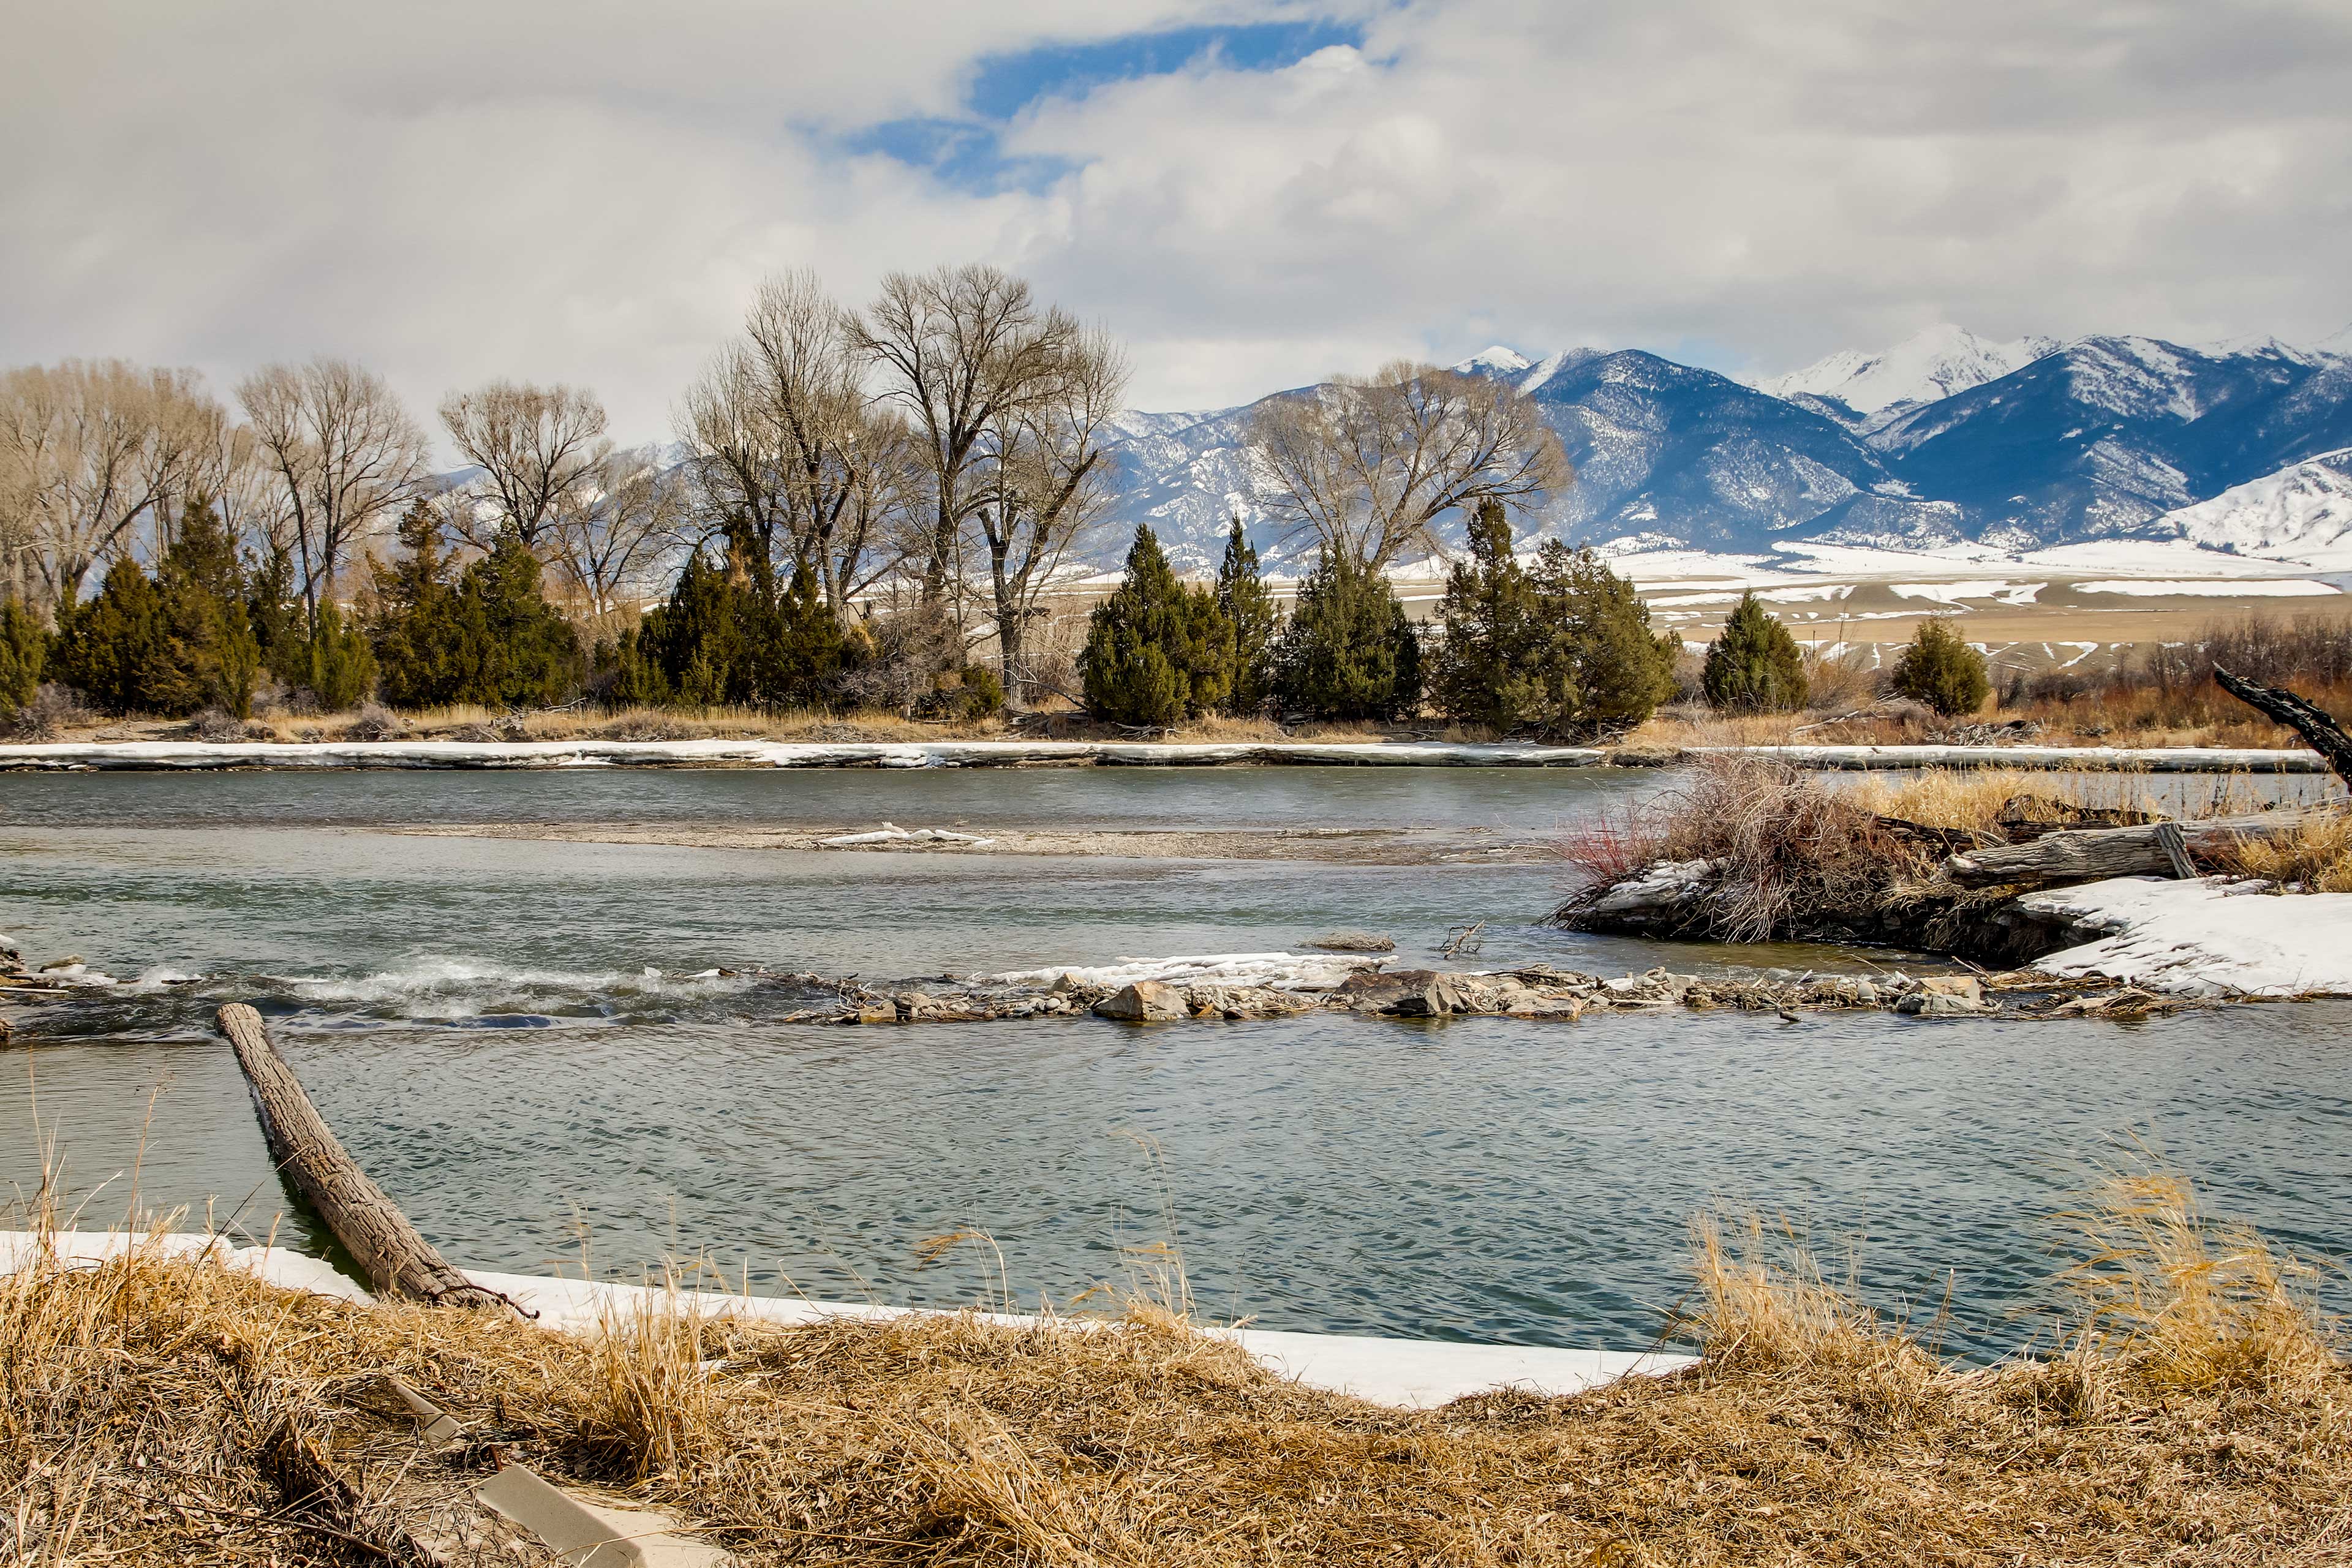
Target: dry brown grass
<point>2317,856</point>
<point>147,1410</point>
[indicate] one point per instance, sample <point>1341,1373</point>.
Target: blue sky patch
<point>966,152</point>
<point>1004,84</point>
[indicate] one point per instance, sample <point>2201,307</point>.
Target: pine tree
<point>1941,669</point>
<point>1754,666</point>
<point>340,669</point>
<point>110,647</point>
<point>24,654</point>
<point>1156,649</point>
<point>412,632</point>
<point>695,644</point>
<point>1596,662</point>
<point>1349,650</point>
<point>805,648</point>
<point>512,648</point>
<point>1247,605</point>
<point>1483,670</point>
<point>208,656</point>
<point>275,612</point>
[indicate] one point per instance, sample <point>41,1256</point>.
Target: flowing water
<point>522,1040</point>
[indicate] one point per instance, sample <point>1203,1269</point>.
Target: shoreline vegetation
<point>2192,1404</point>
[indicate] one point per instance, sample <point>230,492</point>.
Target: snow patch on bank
<point>165,755</point>
<point>2212,937</point>
<point>1288,970</point>
<point>1406,1374</point>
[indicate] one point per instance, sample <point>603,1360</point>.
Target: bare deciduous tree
<point>345,453</point>
<point>954,347</point>
<point>614,525</point>
<point>1048,483</point>
<point>87,449</point>
<point>1370,463</point>
<point>534,445</point>
<point>794,464</point>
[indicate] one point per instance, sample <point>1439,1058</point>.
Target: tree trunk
<point>2324,734</point>
<point>396,1259</point>
<point>2087,855</point>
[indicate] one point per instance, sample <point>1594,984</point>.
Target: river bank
<point>194,755</point>
<point>167,1406</point>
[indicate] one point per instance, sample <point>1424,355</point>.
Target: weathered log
<point>2087,855</point>
<point>2322,733</point>
<point>396,1259</point>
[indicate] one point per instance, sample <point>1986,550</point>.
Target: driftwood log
<point>2089,855</point>
<point>396,1259</point>
<point>2324,734</point>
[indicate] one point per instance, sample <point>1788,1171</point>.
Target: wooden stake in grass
<point>397,1260</point>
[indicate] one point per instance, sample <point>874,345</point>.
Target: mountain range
<point>1946,439</point>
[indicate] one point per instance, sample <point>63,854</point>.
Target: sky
<point>1249,197</point>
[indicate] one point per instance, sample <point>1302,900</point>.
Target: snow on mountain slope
<point>2105,439</point>
<point>2303,513</point>
<point>1930,365</point>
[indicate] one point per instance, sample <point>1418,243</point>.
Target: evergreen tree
<point>339,667</point>
<point>1247,605</point>
<point>1349,650</point>
<point>207,656</point>
<point>1157,650</point>
<point>1596,663</point>
<point>274,610</point>
<point>1941,669</point>
<point>23,653</point>
<point>509,648</point>
<point>412,632</point>
<point>1484,670</point>
<point>627,677</point>
<point>695,644</point>
<point>1754,666</point>
<point>728,637</point>
<point>110,647</point>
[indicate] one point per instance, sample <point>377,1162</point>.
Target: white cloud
<point>589,190</point>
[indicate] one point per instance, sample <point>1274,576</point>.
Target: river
<point>520,1040</point>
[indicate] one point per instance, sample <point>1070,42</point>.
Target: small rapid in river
<point>537,1047</point>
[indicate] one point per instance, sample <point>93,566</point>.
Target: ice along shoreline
<point>168,756</point>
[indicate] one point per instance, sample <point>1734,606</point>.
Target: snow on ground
<point>2211,937</point>
<point>1408,1373</point>
<point>1290,971</point>
<point>2259,587</point>
<point>1996,588</point>
<point>171,755</point>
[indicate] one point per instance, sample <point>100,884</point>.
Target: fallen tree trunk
<point>2089,855</point>
<point>2324,734</point>
<point>396,1259</point>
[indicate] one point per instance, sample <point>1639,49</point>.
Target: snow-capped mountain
<point>2108,437</point>
<point>2303,511</point>
<point>2108,434</point>
<point>1930,364</point>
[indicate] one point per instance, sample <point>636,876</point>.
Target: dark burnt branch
<point>2324,734</point>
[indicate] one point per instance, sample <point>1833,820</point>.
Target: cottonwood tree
<point>1369,463</point>
<point>954,349</point>
<point>614,525</point>
<point>535,445</point>
<point>88,449</point>
<point>796,466</point>
<point>1045,483</point>
<point>346,454</point>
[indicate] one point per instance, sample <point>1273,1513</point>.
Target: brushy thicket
<point>2198,1413</point>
